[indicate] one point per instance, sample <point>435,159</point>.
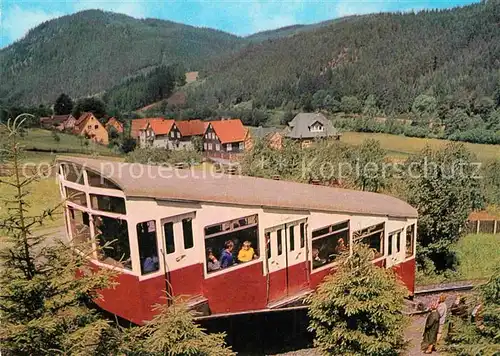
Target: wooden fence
<point>483,222</point>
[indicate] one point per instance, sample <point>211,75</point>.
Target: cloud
<point>17,21</point>
<point>132,8</point>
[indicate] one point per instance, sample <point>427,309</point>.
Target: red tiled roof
<point>83,117</point>
<point>161,126</point>
<point>191,127</point>
<point>136,125</point>
<point>229,130</point>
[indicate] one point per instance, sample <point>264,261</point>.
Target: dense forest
<point>91,51</point>
<point>452,54</point>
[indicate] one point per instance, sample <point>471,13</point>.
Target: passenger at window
<point>246,253</point>
<point>150,264</point>
<point>226,258</point>
<point>341,247</point>
<point>212,263</point>
<point>317,261</point>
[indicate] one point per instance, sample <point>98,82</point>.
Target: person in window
<point>150,264</point>
<point>226,257</point>
<point>317,261</point>
<point>341,247</point>
<point>212,263</point>
<point>246,253</point>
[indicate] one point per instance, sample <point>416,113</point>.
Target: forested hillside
<point>451,55</point>
<point>91,51</point>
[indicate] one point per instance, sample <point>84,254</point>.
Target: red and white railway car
<point>164,222</point>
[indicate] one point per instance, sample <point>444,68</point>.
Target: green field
<point>43,140</point>
<point>402,146</point>
<point>478,255</point>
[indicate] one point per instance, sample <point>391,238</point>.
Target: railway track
<point>425,295</point>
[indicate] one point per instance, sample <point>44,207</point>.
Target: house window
<point>229,147</point>
<point>89,127</point>
<point>168,230</point>
<point>242,146</point>
<point>231,242</point>
<point>316,127</point>
<point>96,127</point>
<point>187,230</point>
<point>107,203</point>
<point>410,239</point>
<point>205,146</point>
<point>372,236</point>
<point>172,134</point>
<point>328,243</point>
<point>302,235</point>
<point>217,147</point>
<point>178,135</point>
<point>112,237</point>
<point>148,249</point>
<point>76,196</point>
<point>210,147</point>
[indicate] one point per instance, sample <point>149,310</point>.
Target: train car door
<point>286,252</point>
<point>395,251</point>
<point>182,268</point>
<point>296,257</point>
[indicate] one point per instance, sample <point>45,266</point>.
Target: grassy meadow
<point>478,255</point>
<point>43,140</point>
<point>399,147</point>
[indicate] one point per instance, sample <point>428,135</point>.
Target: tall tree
<point>43,307</point>
<point>357,311</point>
<point>367,166</point>
<point>63,105</point>
<point>90,104</point>
<point>444,186</point>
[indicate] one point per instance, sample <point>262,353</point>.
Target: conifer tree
<point>357,310</point>
<point>173,332</point>
<point>43,307</point>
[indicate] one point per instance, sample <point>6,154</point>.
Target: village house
<point>58,122</point>
<point>272,135</point>
<point>88,125</point>
<point>306,127</point>
<point>115,124</point>
<point>225,138</point>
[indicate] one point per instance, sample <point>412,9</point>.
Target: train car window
<point>268,244</point>
<point>112,238</point>
<point>107,203</point>
<point>231,242</point>
<point>373,237</point>
<point>410,238</point>
<point>329,243</point>
<point>398,242</point>
<point>79,223</point>
<point>391,237</point>
<point>73,173</point>
<point>187,230</point>
<point>148,248</point>
<point>302,235</point>
<point>168,229</point>
<point>280,242</point>
<point>76,196</point>
<point>98,181</point>
<point>292,237</point>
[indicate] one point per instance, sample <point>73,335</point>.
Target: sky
<point>240,17</point>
